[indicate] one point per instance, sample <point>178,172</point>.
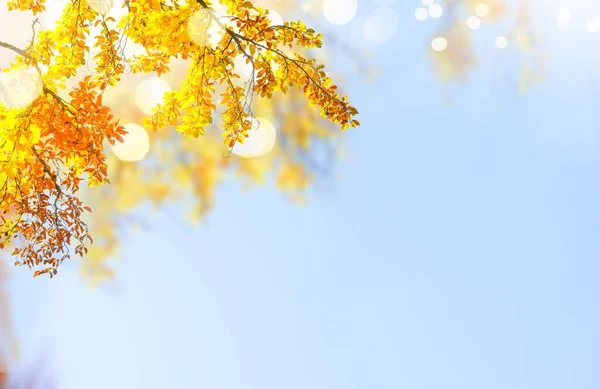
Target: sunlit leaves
<point>53,140</point>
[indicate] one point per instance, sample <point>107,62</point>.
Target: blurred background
<point>447,242</point>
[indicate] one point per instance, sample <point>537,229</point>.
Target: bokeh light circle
<point>20,86</point>
<point>421,14</point>
<point>340,12</point>
<point>593,25</point>
<point>219,9</point>
<point>135,145</point>
<point>563,18</point>
<point>501,42</point>
<point>241,67</point>
<point>473,22</point>
<point>276,19</point>
<point>199,27</point>
<point>101,6</point>
<point>439,44</point>
<point>563,15</point>
<point>261,139</point>
<point>382,25</point>
<point>150,92</point>
<point>482,10</point>
<point>436,11</point>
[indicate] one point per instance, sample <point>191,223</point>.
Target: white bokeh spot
<point>501,42</point>
<point>150,92</point>
<point>19,87</point>
<point>421,14</point>
<point>135,145</point>
<point>276,19</point>
<point>260,141</point>
<point>439,44</point>
<point>436,11</point>
<point>202,30</point>
<point>340,12</point>
<point>563,18</point>
<point>482,10</point>
<point>101,6</point>
<point>220,9</point>
<point>593,25</point>
<point>473,22</point>
<point>382,25</point>
<point>242,68</point>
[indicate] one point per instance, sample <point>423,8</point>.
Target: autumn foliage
<point>459,57</point>
<point>54,144</point>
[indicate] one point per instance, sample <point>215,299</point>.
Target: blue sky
<point>458,250</point>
